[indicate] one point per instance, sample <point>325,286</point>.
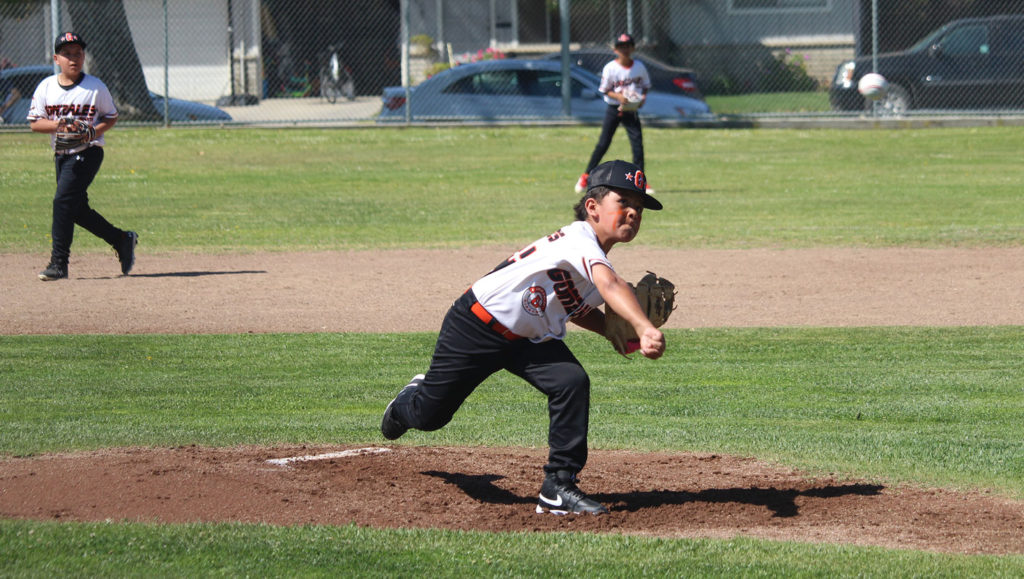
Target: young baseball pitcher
<point>515,317</point>
<point>76,109</point>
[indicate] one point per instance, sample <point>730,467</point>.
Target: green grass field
<point>930,406</point>
<point>282,190</point>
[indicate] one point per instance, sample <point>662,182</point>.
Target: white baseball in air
<point>873,86</point>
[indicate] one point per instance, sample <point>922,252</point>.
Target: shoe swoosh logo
<point>557,503</point>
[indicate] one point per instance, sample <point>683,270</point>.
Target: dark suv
<point>974,63</point>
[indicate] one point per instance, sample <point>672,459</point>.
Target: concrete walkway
<point>304,111</point>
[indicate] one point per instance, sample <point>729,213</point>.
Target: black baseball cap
<point>67,38</point>
<point>622,176</point>
<point>624,39</point>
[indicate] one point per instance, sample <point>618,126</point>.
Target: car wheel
<point>896,102</point>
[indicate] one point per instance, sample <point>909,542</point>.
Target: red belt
<point>486,317</point>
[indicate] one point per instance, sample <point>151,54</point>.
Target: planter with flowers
<point>466,57</point>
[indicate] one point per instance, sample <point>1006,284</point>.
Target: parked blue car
<point>26,78</point>
<point>518,89</point>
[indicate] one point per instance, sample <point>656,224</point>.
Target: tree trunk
<point>103,25</point>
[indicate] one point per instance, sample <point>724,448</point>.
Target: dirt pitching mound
<point>495,489</point>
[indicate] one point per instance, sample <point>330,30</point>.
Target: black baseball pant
<point>613,117</point>
<point>468,351</point>
<point>75,173</point>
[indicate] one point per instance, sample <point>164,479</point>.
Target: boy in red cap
<point>61,99</point>
<point>624,83</point>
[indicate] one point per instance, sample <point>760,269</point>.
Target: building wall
<point>27,41</point>
<point>198,49</point>
<point>718,22</point>
<point>730,45</point>
<point>464,24</point>
<point>198,42</point>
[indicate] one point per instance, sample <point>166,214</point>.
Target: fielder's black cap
<point>622,176</point>
<point>624,39</point>
<point>66,38</point>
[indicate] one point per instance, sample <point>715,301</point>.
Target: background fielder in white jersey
<point>515,317</point>
<point>87,99</point>
<point>624,84</point>
<point>624,80</point>
<point>72,94</point>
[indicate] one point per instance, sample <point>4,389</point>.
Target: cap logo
<point>638,179</point>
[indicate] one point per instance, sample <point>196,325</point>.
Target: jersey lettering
<point>581,311</point>
<point>565,289</point>
<point>526,252</point>
<point>623,83</point>
<point>81,111</point>
<point>539,288</point>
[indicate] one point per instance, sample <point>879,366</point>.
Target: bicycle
<point>336,78</point>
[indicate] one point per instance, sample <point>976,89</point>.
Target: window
<point>761,6</point>
<point>1009,40</point>
<point>497,82</point>
<point>487,83</point>
<point>547,84</point>
<point>966,41</point>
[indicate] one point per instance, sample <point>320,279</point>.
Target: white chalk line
<point>328,455</point>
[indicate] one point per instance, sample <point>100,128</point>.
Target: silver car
<point>517,89</point>
<point>26,78</point>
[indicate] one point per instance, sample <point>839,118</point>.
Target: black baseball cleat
<point>54,271</point>
<point>559,495</point>
<point>126,251</point>
<point>391,427</point>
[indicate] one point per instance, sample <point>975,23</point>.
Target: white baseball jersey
<point>537,290</point>
<point>617,78</point>
<point>88,99</point>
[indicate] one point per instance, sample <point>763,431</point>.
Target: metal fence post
<point>56,28</point>
<point>167,67</point>
<point>404,16</point>
<point>563,16</point>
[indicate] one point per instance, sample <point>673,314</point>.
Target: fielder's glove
<point>657,298</point>
<point>72,133</point>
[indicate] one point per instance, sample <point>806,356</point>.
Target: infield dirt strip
<point>494,489</point>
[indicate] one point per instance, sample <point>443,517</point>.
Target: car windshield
<point>586,74</point>
<point>929,40</point>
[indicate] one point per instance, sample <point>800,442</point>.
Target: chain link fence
<point>370,61</point>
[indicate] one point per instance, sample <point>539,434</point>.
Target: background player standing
<point>58,101</point>
<point>515,317</point>
<point>621,79</point>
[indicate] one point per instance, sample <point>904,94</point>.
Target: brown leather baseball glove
<point>657,298</point>
<point>73,133</point>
